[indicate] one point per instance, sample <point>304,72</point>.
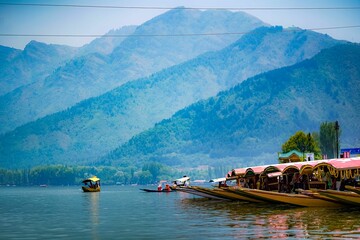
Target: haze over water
<point>125,212</point>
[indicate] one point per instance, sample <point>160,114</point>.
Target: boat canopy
<point>182,180</point>
<point>92,179</point>
<point>274,174</point>
<point>216,180</point>
<point>305,167</point>
<point>341,164</point>
<point>237,172</point>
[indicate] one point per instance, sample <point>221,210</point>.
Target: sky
<point>55,20</point>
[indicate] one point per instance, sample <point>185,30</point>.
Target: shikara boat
<point>228,192</point>
<point>344,197</point>
<point>91,184</point>
<point>353,189</point>
<point>270,179</point>
<point>193,190</point>
<point>289,198</point>
<point>160,189</point>
<point>155,190</point>
<point>181,182</point>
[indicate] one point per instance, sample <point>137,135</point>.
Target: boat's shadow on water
<point>253,220</point>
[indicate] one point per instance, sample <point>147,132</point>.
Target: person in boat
<point>295,182</point>
<point>258,184</point>
<point>242,182</point>
<point>159,188</point>
<point>326,178</point>
<point>304,182</point>
<point>167,188</point>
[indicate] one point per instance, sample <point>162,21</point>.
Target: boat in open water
<point>91,184</point>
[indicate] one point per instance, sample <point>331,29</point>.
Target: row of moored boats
<point>320,183</point>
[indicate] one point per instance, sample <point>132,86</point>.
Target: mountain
<point>7,54</point>
<point>107,43</point>
<point>137,56</point>
<point>247,124</point>
<point>36,61</point>
<point>94,127</point>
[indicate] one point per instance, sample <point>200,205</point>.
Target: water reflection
<point>92,207</point>
<point>247,220</point>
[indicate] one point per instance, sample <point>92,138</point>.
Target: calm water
<point>124,212</point>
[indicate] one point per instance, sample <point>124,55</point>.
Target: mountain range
<point>130,85</point>
<point>247,124</point>
<point>98,125</point>
<point>151,47</point>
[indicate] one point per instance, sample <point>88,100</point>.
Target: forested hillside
<point>247,124</point>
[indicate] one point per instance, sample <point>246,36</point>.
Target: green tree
<point>154,168</point>
<point>303,143</point>
<point>328,139</point>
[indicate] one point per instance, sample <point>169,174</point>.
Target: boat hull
<point>343,197</point>
<point>88,189</point>
<point>152,190</point>
<point>353,189</point>
<point>194,191</point>
<point>286,198</point>
<point>231,192</point>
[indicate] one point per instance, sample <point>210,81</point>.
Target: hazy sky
<point>76,20</point>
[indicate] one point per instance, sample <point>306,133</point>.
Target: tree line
<point>322,144</point>
<point>150,173</point>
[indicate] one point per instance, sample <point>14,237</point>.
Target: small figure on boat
<point>167,188</point>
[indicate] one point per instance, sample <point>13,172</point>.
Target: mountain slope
<point>98,125</point>
<point>137,56</point>
<point>247,124</point>
<point>107,43</point>
<point>36,61</point>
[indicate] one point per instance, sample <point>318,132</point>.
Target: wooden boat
<point>288,198</point>
<point>241,197</point>
<point>351,198</point>
<point>155,190</point>
<point>91,184</point>
<point>352,189</point>
<point>193,190</point>
<point>181,182</point>
<point>313,172</point>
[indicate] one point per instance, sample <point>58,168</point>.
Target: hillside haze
<point>247,124</point>
<point>96,126</point>
<point>139,55</point>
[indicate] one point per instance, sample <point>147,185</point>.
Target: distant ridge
<point>247,124</point>
<point>94,72</point>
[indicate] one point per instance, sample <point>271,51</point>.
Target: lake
<point>125,212</point>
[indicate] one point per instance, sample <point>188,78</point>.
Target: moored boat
<point>353,189</point>
<point>284,183</point>
<point>288,198</point>
<point>91,184</point>
<point>351,198</point>
<point>155,190</point>
<point>194,191</point>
